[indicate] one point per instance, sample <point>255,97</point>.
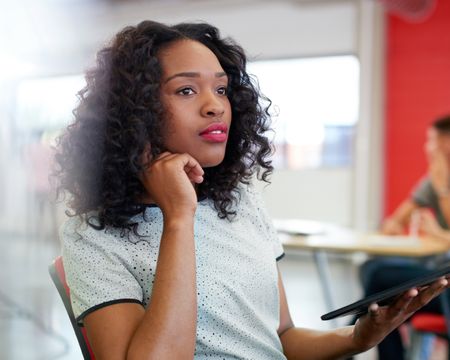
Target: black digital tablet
<point>387,296</point>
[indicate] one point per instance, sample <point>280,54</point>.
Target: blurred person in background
<point>433,190</point>
<point>425,211</point>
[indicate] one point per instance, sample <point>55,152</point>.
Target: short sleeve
<point>266,221</point>
<point>423,194</point>
<point>96,271</point>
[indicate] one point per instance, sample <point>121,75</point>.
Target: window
<point>47,103</point>
<point>315,109</point>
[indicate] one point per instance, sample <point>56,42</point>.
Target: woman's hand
<point>372,328</point>
<point>169,181</point>
<point>391,226</point>
<point>429,224</point>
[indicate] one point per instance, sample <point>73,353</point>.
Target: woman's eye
<point>185,91</point>
<point>222,90</point>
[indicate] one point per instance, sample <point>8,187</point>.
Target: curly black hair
<point>442,124</point>
<point>120,112</point>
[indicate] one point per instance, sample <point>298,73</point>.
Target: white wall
<point>68,35</point>
<point>320,194</point>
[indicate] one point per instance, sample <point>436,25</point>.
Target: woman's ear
<point>445,144</point>
<point>146,156</point>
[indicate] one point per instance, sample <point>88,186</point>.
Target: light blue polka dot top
<point>238,299</point>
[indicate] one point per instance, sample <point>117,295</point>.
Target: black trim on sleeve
<point>150,205</point>
<point>280,257</point>
<point>99,306</point>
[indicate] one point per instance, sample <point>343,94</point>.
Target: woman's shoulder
<point>249,192</point>
<point>85,229</point>
<point>250,201</point>
<point>73,225</point>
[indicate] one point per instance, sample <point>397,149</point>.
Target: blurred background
<point>354,84</point>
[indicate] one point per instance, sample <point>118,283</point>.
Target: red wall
<point>417,91</point>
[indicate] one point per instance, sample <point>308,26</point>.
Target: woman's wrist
<point>174,212</point>
<point>441,233</point>
<point>443,192</point>
<point>357,344</point>
<point>178,221</point>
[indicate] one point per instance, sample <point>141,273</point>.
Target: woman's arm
<point>167,329</point>
<point>305,344</point>
<point>309,344</point>
<point>396,223</point>
<point>430,226</point>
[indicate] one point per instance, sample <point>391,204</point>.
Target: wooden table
<point>369,244</point>
<point>340,240</point>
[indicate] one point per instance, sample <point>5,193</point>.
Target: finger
<point>194,176</point>
<point>427,294</point>
<point>402,303</point>
<point>164,155</point>
<point>437,286</point>
<point>422,288</point>
<point>191,166</point>
<point>440,284</point>
<point>196,179</point>
<point>374,310</point>
<point>194,169</point>
<point>152,160</point>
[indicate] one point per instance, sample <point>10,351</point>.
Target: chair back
<point>438,324</point>
<point>56,270</point>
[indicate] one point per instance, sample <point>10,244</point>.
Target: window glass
<point>315,109</point>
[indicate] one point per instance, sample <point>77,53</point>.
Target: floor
<point>34,325</point>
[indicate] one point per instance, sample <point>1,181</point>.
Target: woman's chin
<point>210,164</point>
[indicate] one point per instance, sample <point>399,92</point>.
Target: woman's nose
<point>212,106</point>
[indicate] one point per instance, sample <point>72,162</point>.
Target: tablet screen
<point>385,297</point>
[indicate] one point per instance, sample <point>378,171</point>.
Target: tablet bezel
<point>385,297</point>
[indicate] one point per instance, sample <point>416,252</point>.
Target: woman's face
<point>432,142</point>
<point>438,142</point>
<point>194,95</point>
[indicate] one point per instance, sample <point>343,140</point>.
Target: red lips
<point>216,132</point>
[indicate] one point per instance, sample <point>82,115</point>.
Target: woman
<point>172,254</point>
